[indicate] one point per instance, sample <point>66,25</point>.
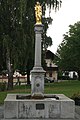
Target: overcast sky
<point>68,14</point>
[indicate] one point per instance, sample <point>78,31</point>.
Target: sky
<point>68,14</point>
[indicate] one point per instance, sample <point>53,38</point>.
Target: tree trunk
<point>10,71</point>
<point>28,76</point>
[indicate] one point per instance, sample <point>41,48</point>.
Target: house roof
<point>50,55</point>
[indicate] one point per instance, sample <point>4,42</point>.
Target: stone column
<point>37,74</point>
<point>38,31</point>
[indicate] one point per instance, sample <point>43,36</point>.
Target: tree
<point>13,34</point>
<point>69,51</point>
<point>17,32</point>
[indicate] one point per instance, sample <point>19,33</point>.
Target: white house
<point>51,68</point>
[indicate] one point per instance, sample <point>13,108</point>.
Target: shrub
<point>76,98</point>
<point>2,86</point>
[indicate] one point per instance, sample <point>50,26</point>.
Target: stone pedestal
<point>47,108</point>
<point>37,83</point>
<point>37,74</point>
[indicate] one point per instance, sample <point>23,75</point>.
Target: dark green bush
<point>2,86</point>
<point>76,98</point>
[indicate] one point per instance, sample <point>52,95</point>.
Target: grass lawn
<point>65,87</point>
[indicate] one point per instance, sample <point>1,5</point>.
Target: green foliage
<point>17,29</point>
<point>2,86</point>
<point>2,97</point>
<point>68,52</point>
<point>76,98</point>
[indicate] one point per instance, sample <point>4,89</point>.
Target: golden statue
<point>38,13</point>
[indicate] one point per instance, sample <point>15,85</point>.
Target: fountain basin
<point>48,107</point>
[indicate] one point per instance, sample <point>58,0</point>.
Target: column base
<point>37,82</point>
<point>37,69</point>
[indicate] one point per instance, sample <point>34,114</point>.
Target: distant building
<point>51,68</point>
<point>73,74</point>
<point>70,75</point>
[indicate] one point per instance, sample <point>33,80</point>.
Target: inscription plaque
<point>40,106</point>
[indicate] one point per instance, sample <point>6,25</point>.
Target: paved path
<point>77,114</point>
<point>1,111</point>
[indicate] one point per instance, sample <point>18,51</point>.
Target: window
<point>50,74</point>
<point>50,65</point>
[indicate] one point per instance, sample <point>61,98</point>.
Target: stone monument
<point>38,105</point>
<point>37,74</point>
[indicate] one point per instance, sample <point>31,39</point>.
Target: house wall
<point>50,63</point>
<point>52,74</point>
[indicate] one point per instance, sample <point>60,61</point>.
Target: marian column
<point>37,74</point>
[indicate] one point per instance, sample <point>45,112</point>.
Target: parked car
<point>48,80</point>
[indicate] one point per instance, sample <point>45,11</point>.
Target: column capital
<point>38,28</point>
